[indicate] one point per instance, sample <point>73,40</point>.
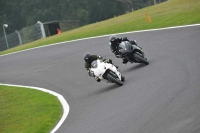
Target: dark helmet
<point>87,57</point>
<point>112,38</point>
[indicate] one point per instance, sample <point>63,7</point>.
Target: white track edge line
<point>174,27</point>
<point>60,97</point>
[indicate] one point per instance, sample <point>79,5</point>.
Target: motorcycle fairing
<point>101,67</point>
<point>125,47</point>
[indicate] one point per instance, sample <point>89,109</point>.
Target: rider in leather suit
<point>114,43</point>
<point>89,58</point>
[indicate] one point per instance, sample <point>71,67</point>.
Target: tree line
<point>22,13</point>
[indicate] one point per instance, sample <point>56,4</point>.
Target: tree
<point>22,13</point>
<point>103,9</point>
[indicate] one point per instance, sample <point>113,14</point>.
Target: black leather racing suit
<point>115,44</point>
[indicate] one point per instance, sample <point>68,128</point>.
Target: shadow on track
<point>134,68</point>
<point>105,89</point>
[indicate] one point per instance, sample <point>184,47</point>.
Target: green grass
<point>166,14</point>
<point>27,110</point>
<point>24,110</point>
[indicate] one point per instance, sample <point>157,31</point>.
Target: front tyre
<point>139,59</point>
<point>113,79</point>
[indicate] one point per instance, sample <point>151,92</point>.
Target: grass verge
<point>166,14</point>
<point>26,110</point>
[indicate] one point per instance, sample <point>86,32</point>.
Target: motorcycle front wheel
<point>140,59</point>
<point>114,79</point>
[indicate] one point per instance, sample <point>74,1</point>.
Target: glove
<point>104,60</point>
<point>133,42</point>
<point>100,57</point>
<point>108,61</point>
<point>125,39</point>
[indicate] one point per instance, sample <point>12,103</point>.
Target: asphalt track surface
<point>163,97</point>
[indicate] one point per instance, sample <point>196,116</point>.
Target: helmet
<point>87,57</point>
<point>112,38</point>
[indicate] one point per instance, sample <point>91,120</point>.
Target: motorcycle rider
<point>114,43</point>
<point>89,58</point>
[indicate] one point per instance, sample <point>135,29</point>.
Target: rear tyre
<point>140,59</point>
<point>114,79</point>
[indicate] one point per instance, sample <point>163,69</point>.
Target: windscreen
<point>94,64</point>
<point>122,45</point>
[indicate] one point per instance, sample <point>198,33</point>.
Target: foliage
<point>23,13</point>
<point>170,13</point>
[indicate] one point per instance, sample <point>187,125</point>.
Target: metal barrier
<point>37,31</point>
<point>23,36</point>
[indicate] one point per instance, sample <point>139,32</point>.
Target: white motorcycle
<point>106,71</point>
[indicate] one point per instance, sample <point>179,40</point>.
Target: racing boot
<point>124,61</point>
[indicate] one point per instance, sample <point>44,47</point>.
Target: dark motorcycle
<point>132,53</point>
